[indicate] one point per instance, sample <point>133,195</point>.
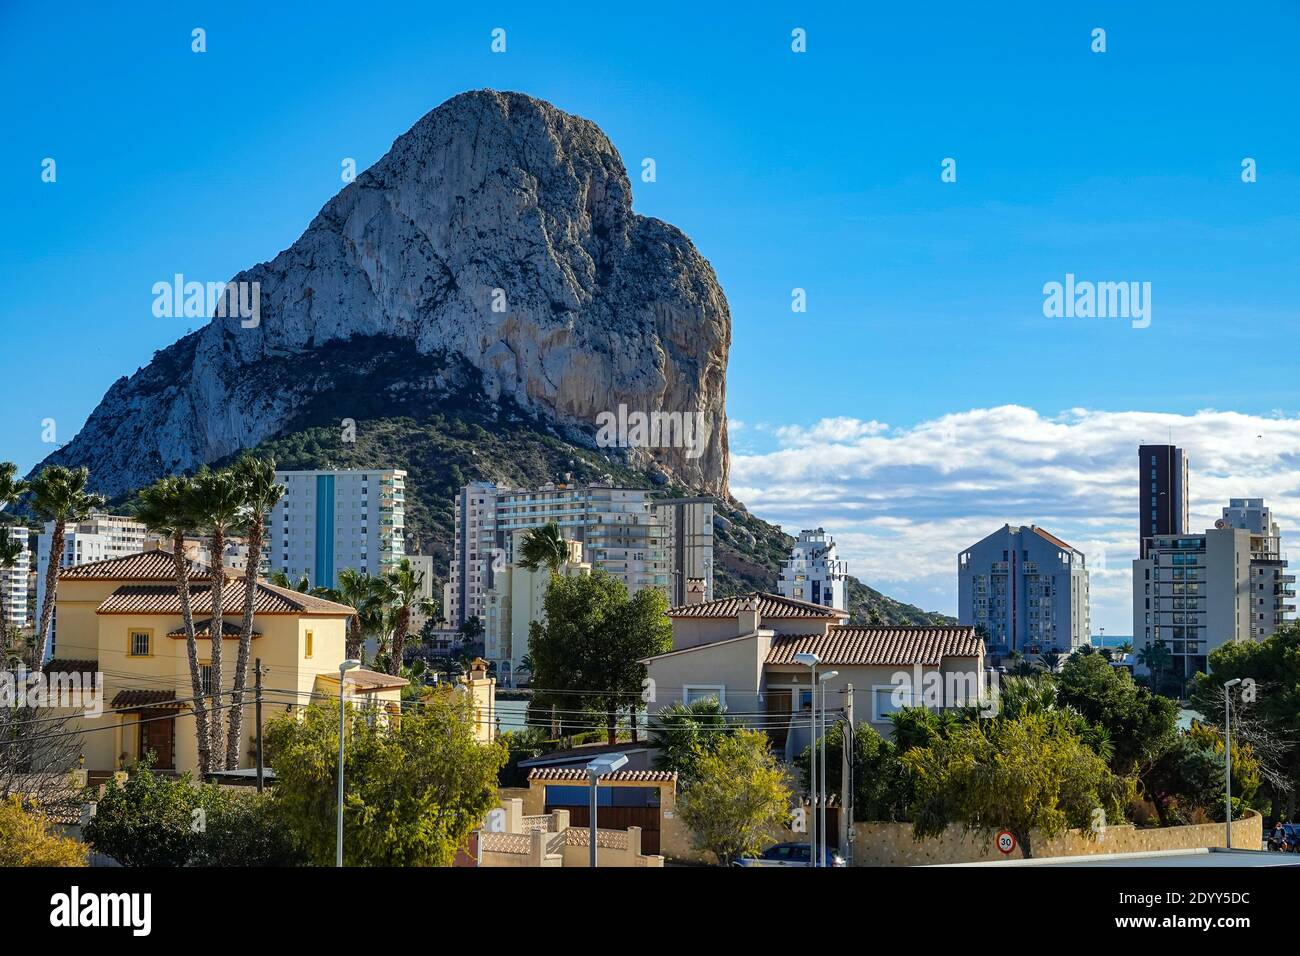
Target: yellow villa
<point>121,619</point>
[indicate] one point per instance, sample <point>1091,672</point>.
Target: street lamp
<point>821,762</point>
<point>810,660</point>
<point>595,770</point>
<point>343,669</point>
<point>1227,751</point>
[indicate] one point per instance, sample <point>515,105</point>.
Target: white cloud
<point>902,502</point>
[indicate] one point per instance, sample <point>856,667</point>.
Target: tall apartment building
<point>814,572</point>
<point>1162,492</point>
<point>516,599</point>
<point>688,542</point>
<point>13,581</point>
<point>1272,589</point>
<point>99,537</point>
<point>620,530</point>
<point>1193,592</point>
<point>331,520</point>
<point>1027,589</point>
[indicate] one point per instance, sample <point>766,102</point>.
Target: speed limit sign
<point>1006,842</point>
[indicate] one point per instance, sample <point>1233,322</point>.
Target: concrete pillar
<point>633,845</point>
<point>537,848</point>
<point>514,808</point>
<point>559,820</point>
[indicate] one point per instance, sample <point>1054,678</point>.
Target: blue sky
<point>819,171</point>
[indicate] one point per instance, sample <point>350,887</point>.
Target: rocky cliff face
<point>497,231</point>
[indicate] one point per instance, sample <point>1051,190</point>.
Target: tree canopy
<point>587,653</point>
<point>415,786</point>
<point>737,798</point>
<point>1023,775</point>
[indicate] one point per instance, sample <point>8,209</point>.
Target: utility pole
<point>846,778</point>
<point>257,711</point>
<point>1227,754</point>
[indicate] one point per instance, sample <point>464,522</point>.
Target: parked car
<point>790,854</point>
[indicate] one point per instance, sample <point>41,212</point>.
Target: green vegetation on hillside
<point>428,415</point>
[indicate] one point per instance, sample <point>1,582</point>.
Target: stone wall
<point>891,844</point>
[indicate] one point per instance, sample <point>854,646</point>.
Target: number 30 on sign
<point>1006,842</point>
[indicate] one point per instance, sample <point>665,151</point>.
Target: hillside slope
<point>443,434</point>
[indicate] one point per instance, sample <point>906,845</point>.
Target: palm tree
<point>59,495</point>
<point>1020,696</point>
<point>358,590</point>
<point>281,580</point>
<point>543,547</point>
<point>1155,657</point>
<point>401,592</point>
<point>1126,648</point>
<point>11,486</point>
<point>167,507</point>
<point>218,506</point>
<point>260,493</point>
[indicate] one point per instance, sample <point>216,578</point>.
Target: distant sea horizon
<point>1111,640</point>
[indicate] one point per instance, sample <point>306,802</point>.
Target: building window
<point>694,692</point>
<point>884,702</point>
<point>140,643</point>
<point>310,643</point>
<point>205,678</point>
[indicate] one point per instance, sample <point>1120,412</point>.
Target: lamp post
<point>821,763</point>
<point>810,660</point>
<point>1227,752</point>
<point>595,770</point>
<point>343,669</point>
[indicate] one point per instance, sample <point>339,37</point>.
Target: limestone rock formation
<point>498,231</point>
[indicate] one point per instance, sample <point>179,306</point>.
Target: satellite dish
<point>1220,523</point>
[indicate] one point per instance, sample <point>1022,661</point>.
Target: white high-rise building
<point>331,520</point>
<point>13,581</point>
<point>620,529</point>
<point>99,537</point>
<point>814,573</point>
<point>1272,589</point>
<point>1192,593</point>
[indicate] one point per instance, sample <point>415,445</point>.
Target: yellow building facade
<point>120,620</point>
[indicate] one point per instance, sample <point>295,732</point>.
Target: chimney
<point>747,619</point>
<point>695,591</point>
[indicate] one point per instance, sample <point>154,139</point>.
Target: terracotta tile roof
<point>230,629</point>
<point>365,679</point>
<point>883,645</point>
<point>67,665</point>
<point>152,565</point>
<point>580,773</point>
<point>163,599</point>
<point>144,698</point>
<point>769,606</point>
<point>1047,535</point>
